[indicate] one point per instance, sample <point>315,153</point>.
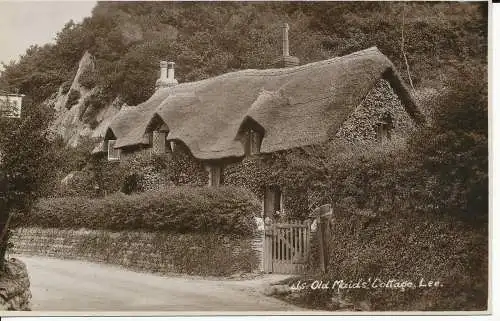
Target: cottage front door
<point>272,201</point>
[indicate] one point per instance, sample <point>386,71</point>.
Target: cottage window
<point>148,139</point>
<point>383,132</point>
<point>113,154</point>
<point>159,143</point>
<point>215,175</point>
<point>253,142</point>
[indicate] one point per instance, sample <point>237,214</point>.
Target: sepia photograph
<point>299,157</point>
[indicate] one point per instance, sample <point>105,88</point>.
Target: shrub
<point>149,172</point>
<point>226,210</point>
<point>431,247</point>
<point>92,105</point>
<point>88,79</point>
<point>65,87</point>
<point>73,97</point>
<point>131,184</point>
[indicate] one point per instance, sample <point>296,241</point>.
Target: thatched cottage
<point>222,120</point>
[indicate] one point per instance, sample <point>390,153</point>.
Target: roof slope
<point>296,106</point>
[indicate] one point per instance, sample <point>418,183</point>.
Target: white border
<point>494,131</point>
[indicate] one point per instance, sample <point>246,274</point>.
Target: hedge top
<point>293,107</point>
<point>226,210</point>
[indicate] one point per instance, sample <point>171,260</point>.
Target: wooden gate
<point>286,246</point>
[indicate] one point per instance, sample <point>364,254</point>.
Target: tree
<point>26,155</point>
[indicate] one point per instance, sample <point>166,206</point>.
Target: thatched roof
<point>295,106</point>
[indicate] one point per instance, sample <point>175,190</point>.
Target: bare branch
<point>403,49</point>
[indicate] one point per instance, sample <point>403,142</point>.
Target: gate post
<point>268,246</point>
<point>323,215</point>
<point>321,243</point>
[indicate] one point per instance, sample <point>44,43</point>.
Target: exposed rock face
<point>69,123</point>
<point>15,291</point>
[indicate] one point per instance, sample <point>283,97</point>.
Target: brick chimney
<point>286,60</point>
<point>167,75</point>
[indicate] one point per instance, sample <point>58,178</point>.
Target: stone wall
<point>199,254</point>
<point>15,291</point>
<point>258,246</point>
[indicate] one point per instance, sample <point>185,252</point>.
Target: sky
<point>23,23</point>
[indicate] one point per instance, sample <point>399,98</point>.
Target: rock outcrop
<point>15,291</point>
<point>69,122</point>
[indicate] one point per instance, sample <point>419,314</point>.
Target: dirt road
<point>66,285</point>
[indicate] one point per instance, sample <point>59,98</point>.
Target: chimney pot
<point>163,70</point>
<point>171,70</point>
<point>167,76</point>
<point>286,60</point>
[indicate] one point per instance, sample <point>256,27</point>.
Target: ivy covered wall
<point>380,103</point>
<point>137,171</point>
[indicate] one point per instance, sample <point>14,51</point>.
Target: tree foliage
<point>128,39</point>
<point>27,160</point>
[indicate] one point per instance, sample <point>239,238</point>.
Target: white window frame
<point>215,175</point>
<point>253,142</point>
<point>113,154</point>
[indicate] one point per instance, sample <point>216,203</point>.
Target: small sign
<point>10,105</point>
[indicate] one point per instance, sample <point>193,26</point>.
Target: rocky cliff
<point>76,116</point>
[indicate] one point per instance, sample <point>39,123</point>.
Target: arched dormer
<point>251,134</point>
<point>156,135</point>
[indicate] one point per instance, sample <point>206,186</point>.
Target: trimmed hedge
<point>225,210</point>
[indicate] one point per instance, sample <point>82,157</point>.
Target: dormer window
<point>252,142</point>
<point>251,134</point>
<point>148,139</point>
<point>159,143</point>
<point>113,154</point>
<point>383,133</point>
<point>383,129</point>
<point>109,144</point>
<point>157,139</point>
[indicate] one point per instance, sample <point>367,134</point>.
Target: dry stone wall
<point>197,254</point>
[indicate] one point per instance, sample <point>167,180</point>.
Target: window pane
<point>255,141</point>
<point>215,176</point>
<point>248,143</point>
<point>159,142</point>
<point>113,154</point>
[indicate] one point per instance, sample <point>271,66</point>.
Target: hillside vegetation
<point>128,39</point>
